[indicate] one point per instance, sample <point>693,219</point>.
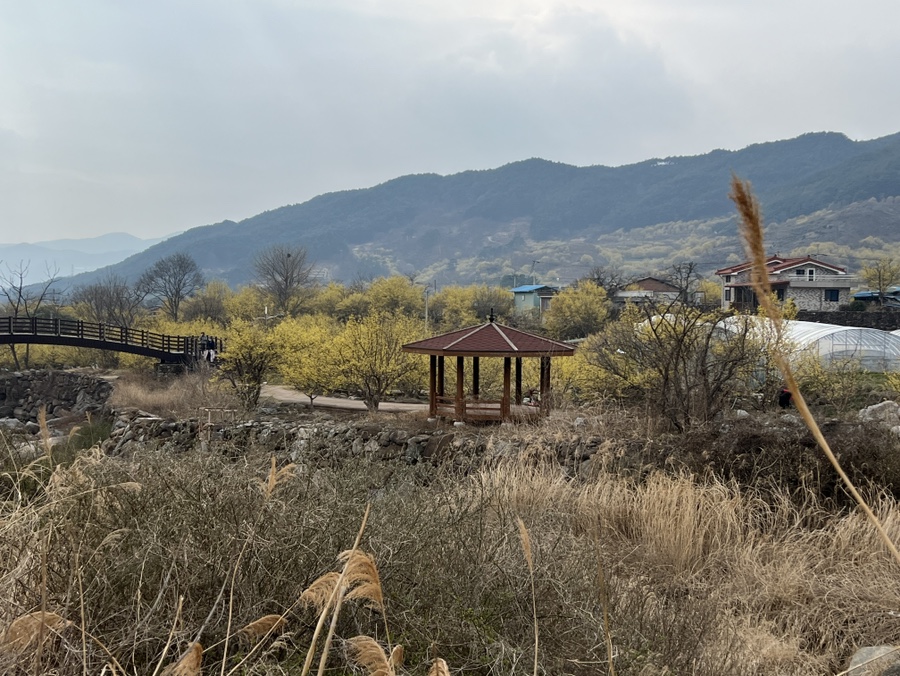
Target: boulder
<point>887,413</point>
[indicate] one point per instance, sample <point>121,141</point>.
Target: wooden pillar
<point>545,384</point>
<point>475,377</point>
<point>440,376</point>
<point>432,385</point>
<point>460,389</point>
<point>504,402</point>
<point>518,381</point>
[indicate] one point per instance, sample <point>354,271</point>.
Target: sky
<point>155,117</point>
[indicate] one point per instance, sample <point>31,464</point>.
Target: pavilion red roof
<point>490,340</point>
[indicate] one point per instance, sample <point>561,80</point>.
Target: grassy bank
<point>661,573</point>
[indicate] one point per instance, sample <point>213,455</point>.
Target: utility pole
<point>533,263</point>
<point>427,292</point>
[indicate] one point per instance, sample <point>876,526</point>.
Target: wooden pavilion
<point>487,340</point>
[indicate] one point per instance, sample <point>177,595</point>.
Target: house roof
<point>529,288</point>
<point>776,264</point>
<point>490,340</point>
<point>653,284</point>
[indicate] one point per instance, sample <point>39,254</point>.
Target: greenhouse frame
<point>874,349</point>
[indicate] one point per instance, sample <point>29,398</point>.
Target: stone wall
<point>813,299</point>
<point>62,393</point>
<point>886,321</point>
<point>319,439</point>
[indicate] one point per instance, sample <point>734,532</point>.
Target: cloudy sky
<point>155,117</point>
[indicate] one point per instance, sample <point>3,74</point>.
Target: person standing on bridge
<point>203,344</point>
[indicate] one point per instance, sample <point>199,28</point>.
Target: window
<point>832,295</point>
<point>800,272</point>
<point>727,295</point>
<point>728,279</point>
<point>779,295</point>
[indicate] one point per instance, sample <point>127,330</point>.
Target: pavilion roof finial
<point>492,316</point>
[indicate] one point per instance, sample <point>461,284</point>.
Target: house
<point>533,297</point>
<point>812,284</point>
<point>646,289</point>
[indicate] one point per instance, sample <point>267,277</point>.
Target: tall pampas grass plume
<point>259,629</point>
<point>363,579</point>
<point>439,668</point>
<point>275,477</point>
<point>188,664</point>
<point>529,560</point>
<point>751,227</point>
<point>320,592</point>
<point>31,630</point>
<point>368,653</point>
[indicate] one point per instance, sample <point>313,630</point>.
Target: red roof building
<point>810,283</point>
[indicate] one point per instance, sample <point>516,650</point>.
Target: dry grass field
<point>224,563</point>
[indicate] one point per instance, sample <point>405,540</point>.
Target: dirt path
<point>290,395</point>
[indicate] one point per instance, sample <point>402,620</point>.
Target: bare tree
<point>283,273</point>
<point>172,279</point>
<point>611,279</point>
<point>25,300</point>
<point>112,300</point>
<point>685,362</point>
<point>685,277</point>
<point>492,299</point>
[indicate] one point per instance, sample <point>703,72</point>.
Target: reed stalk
<point>752,234</point>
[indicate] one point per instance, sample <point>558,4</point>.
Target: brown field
<point>121,565</point>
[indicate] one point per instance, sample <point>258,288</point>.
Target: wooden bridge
<point>170,350</point>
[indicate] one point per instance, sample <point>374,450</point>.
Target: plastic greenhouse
<point>875,350</point>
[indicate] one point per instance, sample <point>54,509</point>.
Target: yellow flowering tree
<point>370,357</point>
<point>308,362</point>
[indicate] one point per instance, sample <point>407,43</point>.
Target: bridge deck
<point>77,333</point>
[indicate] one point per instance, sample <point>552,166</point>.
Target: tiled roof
<point>491,340</point>
<point>779,263</point>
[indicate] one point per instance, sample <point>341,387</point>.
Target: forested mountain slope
<point>560,219</point>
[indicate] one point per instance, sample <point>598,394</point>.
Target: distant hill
<point>560,220</point>
<point>69,257</point>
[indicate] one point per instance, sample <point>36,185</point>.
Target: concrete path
<point>290,395</point>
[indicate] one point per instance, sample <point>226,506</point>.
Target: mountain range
<point>69,257</point>
<point>821,193</point>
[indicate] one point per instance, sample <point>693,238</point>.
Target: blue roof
<point>874,295</point>
<point>530,287</point>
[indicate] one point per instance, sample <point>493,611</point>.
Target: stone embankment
<point>323,438</point>
<point>61,394</point>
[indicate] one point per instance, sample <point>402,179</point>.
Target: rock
<point>413,451</point>
<point>881,660</point>
<point>741,413</point>
<point>13,424</point>
<point>437,449</point>
<point>398,436</point>
<point>886,413</point>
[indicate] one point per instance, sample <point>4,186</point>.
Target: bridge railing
<point>122,335</point>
